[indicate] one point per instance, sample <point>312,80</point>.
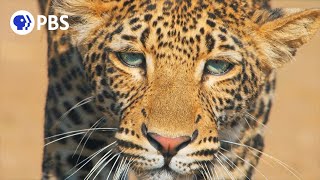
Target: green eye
<point>218,67</point>
<point>131,59</point>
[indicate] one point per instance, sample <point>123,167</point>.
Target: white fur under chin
<point>164,175</point>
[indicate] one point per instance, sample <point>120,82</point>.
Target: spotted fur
<point>171,95</point>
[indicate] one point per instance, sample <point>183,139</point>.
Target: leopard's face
<point>177,77</point>
<point>176,80</point>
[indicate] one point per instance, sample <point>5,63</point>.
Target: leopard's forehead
<point>174,29</point>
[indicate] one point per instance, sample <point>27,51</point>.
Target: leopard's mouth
<point>167,172</point>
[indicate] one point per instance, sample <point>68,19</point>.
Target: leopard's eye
<point>131,59</point>
<point>218,67</point>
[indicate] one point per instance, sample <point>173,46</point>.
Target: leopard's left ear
<point>84,15</point>
<point>281,31</point>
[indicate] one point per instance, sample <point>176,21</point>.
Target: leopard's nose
<point>166,145</point>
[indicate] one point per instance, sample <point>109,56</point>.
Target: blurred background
<point>292,136</point>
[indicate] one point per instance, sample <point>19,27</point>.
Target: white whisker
<point>255,119</point>
<point>125,172</point>
<point>113,165</point>
<point>202,171</point>
<point>119,170</point>
<point>88,159</point>
<point>226,170</point>
<point>214,168</point>
<point>248,123</point>
<point>98,164</point>
<point>94,125</point>
<point>125,169</point>
<point>105,164</point>
<point>63,138</point>
<point>81,103</point>
<point>287,167</point>
<point>210,175</point>
<point>246,163</point>
<point>254,153</point>
<point>215,172</point>
<point>227,159</point>
<point>82,130</point>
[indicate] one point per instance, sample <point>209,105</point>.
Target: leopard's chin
<point>163,174</point>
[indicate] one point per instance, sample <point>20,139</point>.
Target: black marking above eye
<point>134,20</point>
<point>145,36</point>
<point>198,118</point>
<point>210,42</point>
<point>118,30</point>
<point>144,113</point>
<point>211,23</point>
<point>129,37</point>
<point>147,17</point>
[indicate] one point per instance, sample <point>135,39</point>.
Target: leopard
<point>164,89</point>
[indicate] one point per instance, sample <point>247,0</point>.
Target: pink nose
<point>169,145</point>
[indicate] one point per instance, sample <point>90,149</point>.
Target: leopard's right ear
<point>83,15</point>
<point>280,32</point>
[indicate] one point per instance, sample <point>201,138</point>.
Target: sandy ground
<point>293,134</point>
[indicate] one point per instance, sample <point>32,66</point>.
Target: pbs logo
<point>22,22</point>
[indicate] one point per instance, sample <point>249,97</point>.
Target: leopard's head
<point>179,76</point>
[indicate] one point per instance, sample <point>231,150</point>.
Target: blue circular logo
<point>22,22</point>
